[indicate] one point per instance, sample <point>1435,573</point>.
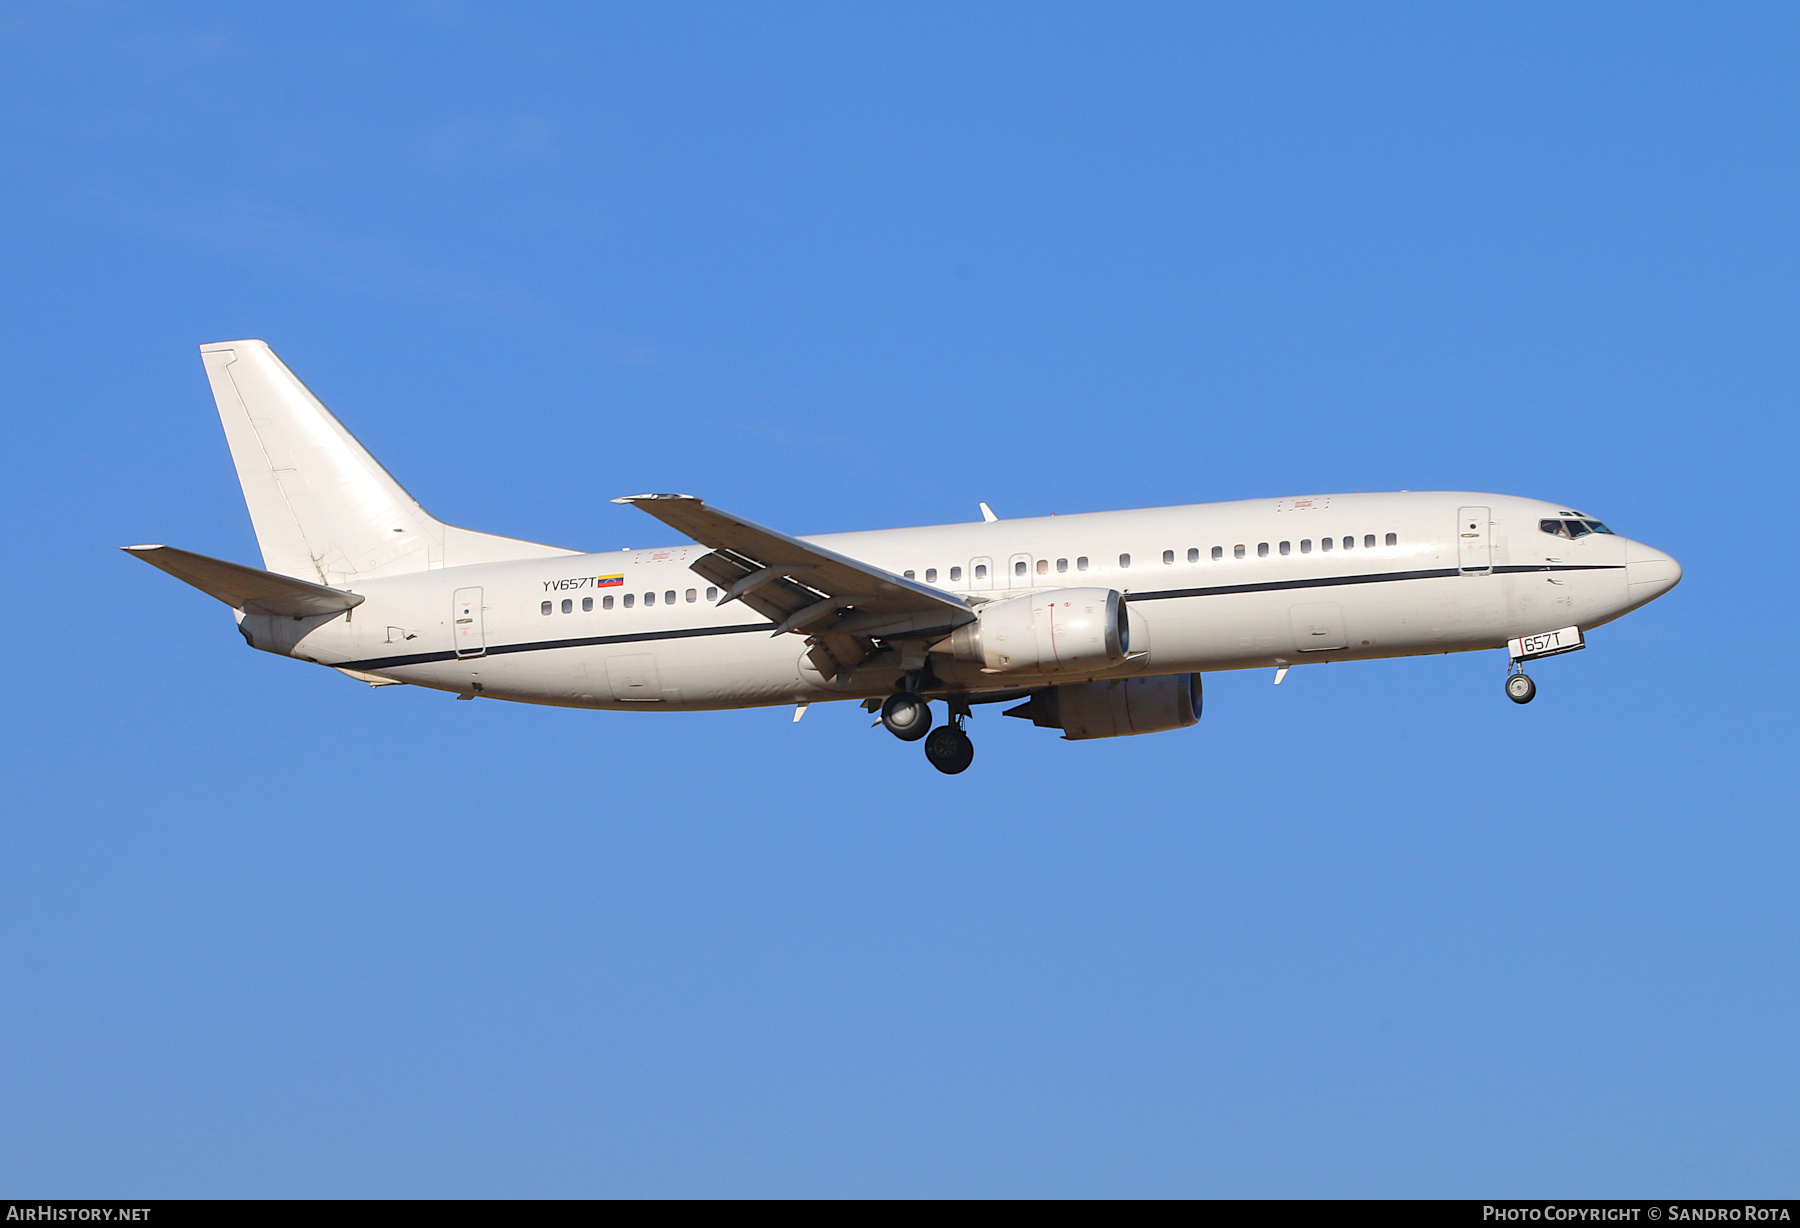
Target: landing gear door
<point>1474,542</point>
<point>1318,626</point>
<point>633,678</point>
<point>465,623</point>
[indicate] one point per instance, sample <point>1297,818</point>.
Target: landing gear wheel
<point>907,716</point>
<point>1520,689</point>
<point>949,750</point>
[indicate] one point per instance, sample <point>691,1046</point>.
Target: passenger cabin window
<point>1368,541</point>
<point>1349,543</point>
<point>931,575</point>
<point>1081,563</point>
<point>587,605</point>
<point>1124,560</point>
<point>712,594</point>
<point>629,598</point>
<point>649,599</point>
<point>1287,547</point>
<point>1324,543</point>
<point>669,597</point>
<point>909,575</point>
<point>1168,557</point>
<point>606,602</point>
<point>1237,552</point>
<point>1019,568</point>
<point>1062,565</point>
<point>1043,567</point>
<point>568,606</point>
<point>544,609</point>
<point>1262,550</point>
<point>692,596</point>
<point>1306,545</point>
<point>1193,556</point>
<point>956,573</point>
<point>981,571</point>
<point>1218,553</point>
<point>1393,539</point>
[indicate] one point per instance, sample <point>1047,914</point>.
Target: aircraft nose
<point>1649,572</point>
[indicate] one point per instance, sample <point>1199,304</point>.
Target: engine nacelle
<point>1116,708</point>
<point>1061,631</point>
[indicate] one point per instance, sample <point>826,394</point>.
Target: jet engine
<point>1116,708</point>
<point>1061,631</point>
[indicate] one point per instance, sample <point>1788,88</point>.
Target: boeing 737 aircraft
<point>1099,625</point>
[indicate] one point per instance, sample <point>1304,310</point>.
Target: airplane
<point>1099,624</point>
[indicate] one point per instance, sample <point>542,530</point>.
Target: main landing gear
<point>948,749</point>
<point>907,715</point>
<point>1520,689</point>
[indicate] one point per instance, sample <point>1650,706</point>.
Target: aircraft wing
<point>249,589</point>
<point>803,588</point>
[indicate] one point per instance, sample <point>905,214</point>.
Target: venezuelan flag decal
<point>609,582</point>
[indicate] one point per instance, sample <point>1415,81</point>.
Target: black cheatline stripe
<point>589,641</point>
<point>423,658</point>
<point>1272,586</point>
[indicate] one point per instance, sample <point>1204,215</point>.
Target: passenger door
<point>466,635</point>
<point>1474,549</point>
<point>1018,571</point>
<point>981,574</point>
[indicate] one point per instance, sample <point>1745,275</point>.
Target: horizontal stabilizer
<point>247,588</point>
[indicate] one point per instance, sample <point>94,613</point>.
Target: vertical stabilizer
<point>323,509</point>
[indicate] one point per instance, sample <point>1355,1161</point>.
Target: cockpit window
<point>1574,528</point>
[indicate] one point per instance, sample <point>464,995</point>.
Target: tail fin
<point>322,508</point>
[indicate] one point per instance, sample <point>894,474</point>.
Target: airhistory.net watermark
<point>49,1213</point>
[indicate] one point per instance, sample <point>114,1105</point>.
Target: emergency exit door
<point>1474,547</point>
<point>465,623</point>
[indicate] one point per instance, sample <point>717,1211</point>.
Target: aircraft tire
<point>949,750</point>
<point>907,716</point>
<point>1520,689</point>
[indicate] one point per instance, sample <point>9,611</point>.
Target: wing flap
<point>775,599</point>
<point>249,589</point>
<point>782,577</point>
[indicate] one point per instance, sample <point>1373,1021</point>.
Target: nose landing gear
<point>1519,688</point>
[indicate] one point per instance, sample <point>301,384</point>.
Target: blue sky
<point>1379,932</point>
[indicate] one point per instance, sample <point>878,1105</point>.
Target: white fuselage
<point>1211,586</point>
